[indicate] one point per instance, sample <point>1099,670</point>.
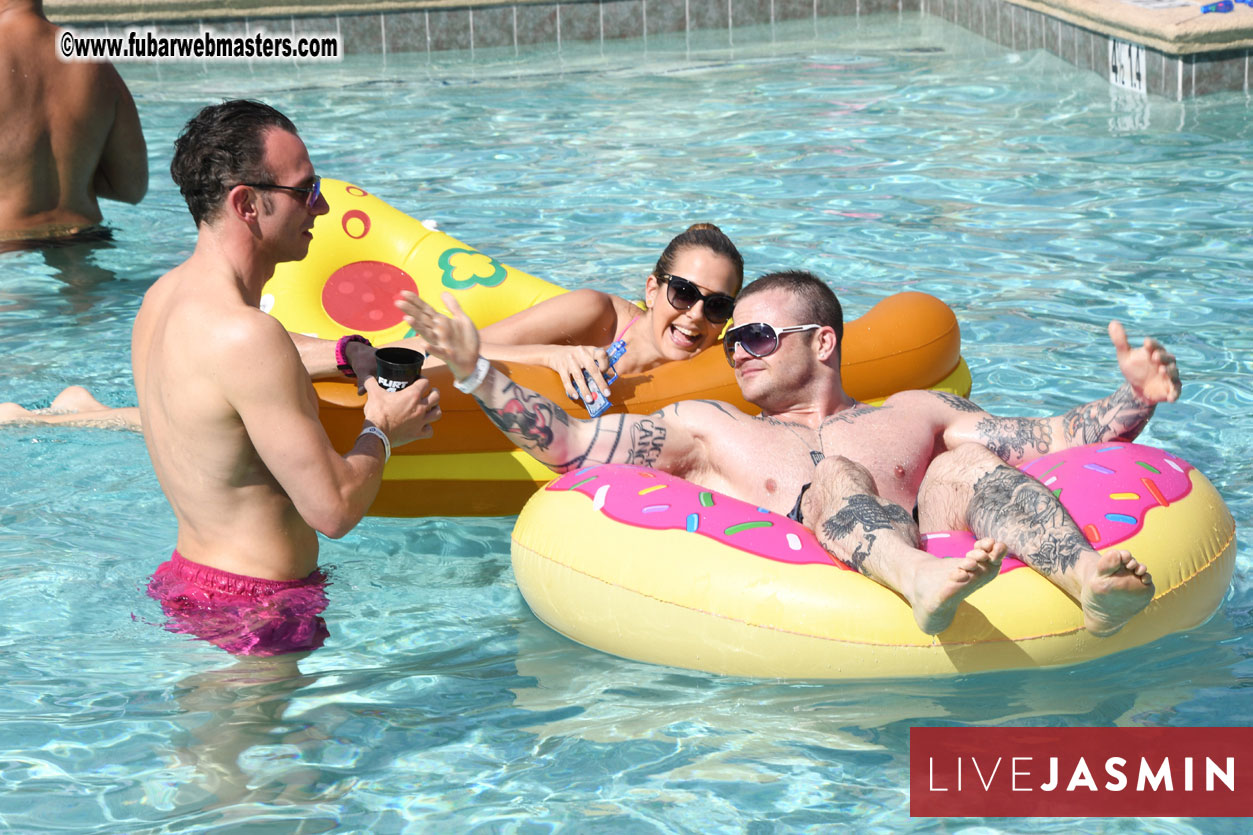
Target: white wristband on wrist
<point>476,378</point>
<point>382,436</point>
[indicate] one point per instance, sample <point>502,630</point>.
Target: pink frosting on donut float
<point>645,498</point>
<point>1107,488</point>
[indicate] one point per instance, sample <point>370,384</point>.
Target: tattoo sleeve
<point>531,420</point>
<point>647,438</point>
<point>1119,417</point>
<point>539,426</point>
<point>1015,439</point>
<point>961,404</point>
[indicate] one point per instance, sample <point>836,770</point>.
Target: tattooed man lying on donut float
<point>848,471</point>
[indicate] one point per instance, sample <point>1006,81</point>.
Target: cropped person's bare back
<point>69,132</point>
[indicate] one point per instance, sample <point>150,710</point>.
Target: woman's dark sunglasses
<point>314,191</point>
<point>758,338</point>
<point>684,295</point>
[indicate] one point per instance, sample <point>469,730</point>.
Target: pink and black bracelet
<point>341,357</point>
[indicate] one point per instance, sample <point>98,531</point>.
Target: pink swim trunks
<point>242,615</point>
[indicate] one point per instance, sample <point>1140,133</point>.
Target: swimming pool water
<point>883,153</point>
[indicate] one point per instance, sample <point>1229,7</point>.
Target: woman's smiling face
<point>681,334</point>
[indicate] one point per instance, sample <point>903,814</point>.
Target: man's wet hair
<point>699,235</point>
<point>817,303</point>
<point>220,147</point>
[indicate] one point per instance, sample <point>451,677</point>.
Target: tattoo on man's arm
<point>647,439</point>
<point>961,404</point>
<point>529,418</point>
<point>1119,417</point>
<point>1010,438</point>
<point>582,458</point>
<point>617,437</point>
<point>719,406</point>
<point>870,515</point>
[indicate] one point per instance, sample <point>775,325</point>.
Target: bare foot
<point>948,582</point>
<point>1118,588</point>
<point>76,399</point>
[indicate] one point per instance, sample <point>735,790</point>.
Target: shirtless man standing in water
<point>69,132</point>
<point>935,451</point>
<point>229,413</point>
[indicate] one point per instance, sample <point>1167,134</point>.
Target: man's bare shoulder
<point>28,25</point>
<point>928,400</point>
<point>33,40</point>
<point>193,306</point>
<point>695,432</point>
<point>701,415</point>
<point>243,334</point>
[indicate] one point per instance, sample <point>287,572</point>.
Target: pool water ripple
<point>899,153</point>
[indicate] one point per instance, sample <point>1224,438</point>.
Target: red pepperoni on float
<point>359,296</point>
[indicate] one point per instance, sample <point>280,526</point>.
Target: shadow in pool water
<point>74,267</point>
<point>228,713</point>
<point>583,693</point>
<point>72,258</point>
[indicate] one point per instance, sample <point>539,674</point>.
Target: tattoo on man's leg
<point>868,513</point>
<point>1010,506</point>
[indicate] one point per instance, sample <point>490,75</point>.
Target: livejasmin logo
<point>1080,772</point>
<point>1020,774</point>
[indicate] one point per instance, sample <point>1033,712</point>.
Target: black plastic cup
<point>398,367</point>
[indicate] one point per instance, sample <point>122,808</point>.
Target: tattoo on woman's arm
<point>1119,417</point>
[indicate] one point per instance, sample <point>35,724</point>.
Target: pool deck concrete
<point>1174,27</point>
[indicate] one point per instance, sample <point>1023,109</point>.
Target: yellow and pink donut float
<point>364,252</point>
<point>645,565</point>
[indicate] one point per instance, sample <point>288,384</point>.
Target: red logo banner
<point>1081,772</point>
